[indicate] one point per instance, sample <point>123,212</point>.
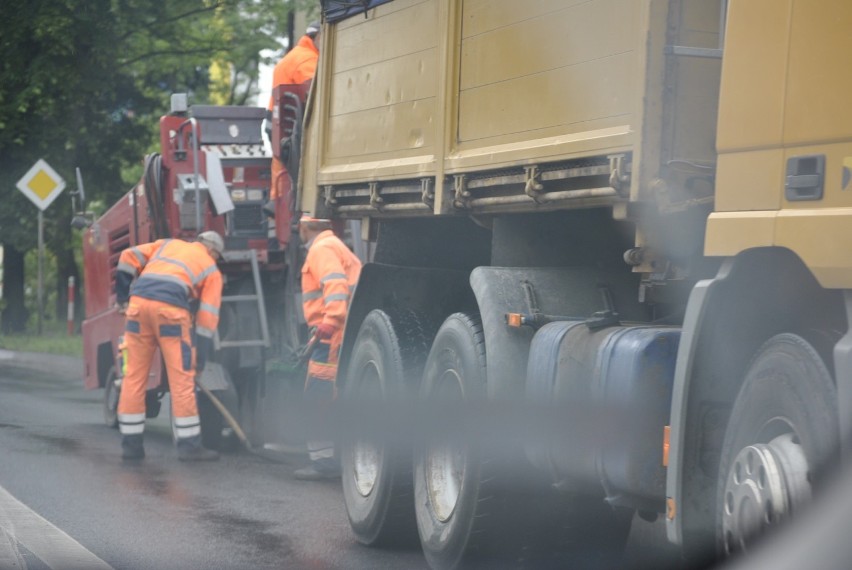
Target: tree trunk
<point>66,267</point>
<point>15,312</point>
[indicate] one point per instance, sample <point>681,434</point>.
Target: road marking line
<point>10,557</point>
<point>49,543</point>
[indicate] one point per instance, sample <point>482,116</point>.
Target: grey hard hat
<point>213,240</point>
<point>313,28</point>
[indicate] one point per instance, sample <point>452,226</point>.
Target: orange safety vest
<point>298,66</point>
<point>329,276</point>
<point>175,272</point>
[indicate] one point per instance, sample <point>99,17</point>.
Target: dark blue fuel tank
<point>607,396</point>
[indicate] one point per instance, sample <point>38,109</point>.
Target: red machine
<point>212,173</point>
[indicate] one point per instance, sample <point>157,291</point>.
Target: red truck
<point>212,172</point>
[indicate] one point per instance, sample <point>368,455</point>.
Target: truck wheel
<point>213,425</point>
<point>455,484</point>
<point>112,390</point>
<point>782,431</point>
<point>385,367</point>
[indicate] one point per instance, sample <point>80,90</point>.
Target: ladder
<point>257,296</point>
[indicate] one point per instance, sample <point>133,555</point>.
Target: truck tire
<point>457,503</point>
<point>474,507</point>
<point>384,369</point>
<point>212,422</point>
<point>112,391</point>
<point>782,433</point>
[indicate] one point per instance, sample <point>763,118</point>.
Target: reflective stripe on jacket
<point>329,277</point>
<point>175,272</point>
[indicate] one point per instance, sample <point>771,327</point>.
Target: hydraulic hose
<point>153,185</point>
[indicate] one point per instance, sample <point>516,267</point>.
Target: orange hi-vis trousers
<point>323,362</point>
<point>151,324</point>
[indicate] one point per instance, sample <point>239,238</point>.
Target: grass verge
<point>50,343</point>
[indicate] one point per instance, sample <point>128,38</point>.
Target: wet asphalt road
<point>61,461</point>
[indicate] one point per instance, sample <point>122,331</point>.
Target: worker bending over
<point>329,276</point>
<point>166,275</point>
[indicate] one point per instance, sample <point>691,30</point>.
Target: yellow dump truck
<point>631,221</point>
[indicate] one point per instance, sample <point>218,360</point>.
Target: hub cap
<point>445,462</point>
<point>367,456</point>
<point>765,484</point>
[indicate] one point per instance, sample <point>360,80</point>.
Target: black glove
<point>203,348</point>
<point>122,286</point>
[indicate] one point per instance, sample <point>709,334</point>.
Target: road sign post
<point>40,268</point>
<point>42,185</point>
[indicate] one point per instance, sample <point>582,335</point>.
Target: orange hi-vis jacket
<point>298,66</point>
<point>175,272</point>
<point>329,276</point>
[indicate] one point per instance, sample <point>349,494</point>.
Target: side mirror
<point>81,219</point>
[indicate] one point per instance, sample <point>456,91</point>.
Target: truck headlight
<point>238,195</point>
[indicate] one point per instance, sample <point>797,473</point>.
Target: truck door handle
<point>805,178</point>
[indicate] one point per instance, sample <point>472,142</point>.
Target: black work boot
<point>131,447</point>
<point>190,449</point>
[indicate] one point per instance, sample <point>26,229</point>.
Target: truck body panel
<point>419,95</point>
<point>783,117</point>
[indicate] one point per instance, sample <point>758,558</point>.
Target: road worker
<point>167,277</point>
<point>298,66</point>
<point>329,276</point>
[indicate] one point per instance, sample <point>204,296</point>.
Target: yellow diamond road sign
<point>41,184</point>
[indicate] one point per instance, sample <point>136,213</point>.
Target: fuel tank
<point>606,394</point>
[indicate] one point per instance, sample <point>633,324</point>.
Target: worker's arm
<point>335,289</point>
<point>130,264</point>
<point>207,317</point>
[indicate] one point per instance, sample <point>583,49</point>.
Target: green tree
<point>84,82</point>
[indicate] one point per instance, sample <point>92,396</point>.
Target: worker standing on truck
<point>167,275</point>
<point>298,66</point>
<point>329,276</point>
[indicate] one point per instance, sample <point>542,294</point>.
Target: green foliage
<point>31,288</point>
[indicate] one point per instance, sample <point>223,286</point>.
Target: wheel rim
<point>366,459</point>
<point>765,483</point>
<point>367,456</point>
<point>445,460</point>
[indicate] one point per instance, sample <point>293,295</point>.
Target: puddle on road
<point>147,479</point>
<point>252,535</point>
<point>65,444</point>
